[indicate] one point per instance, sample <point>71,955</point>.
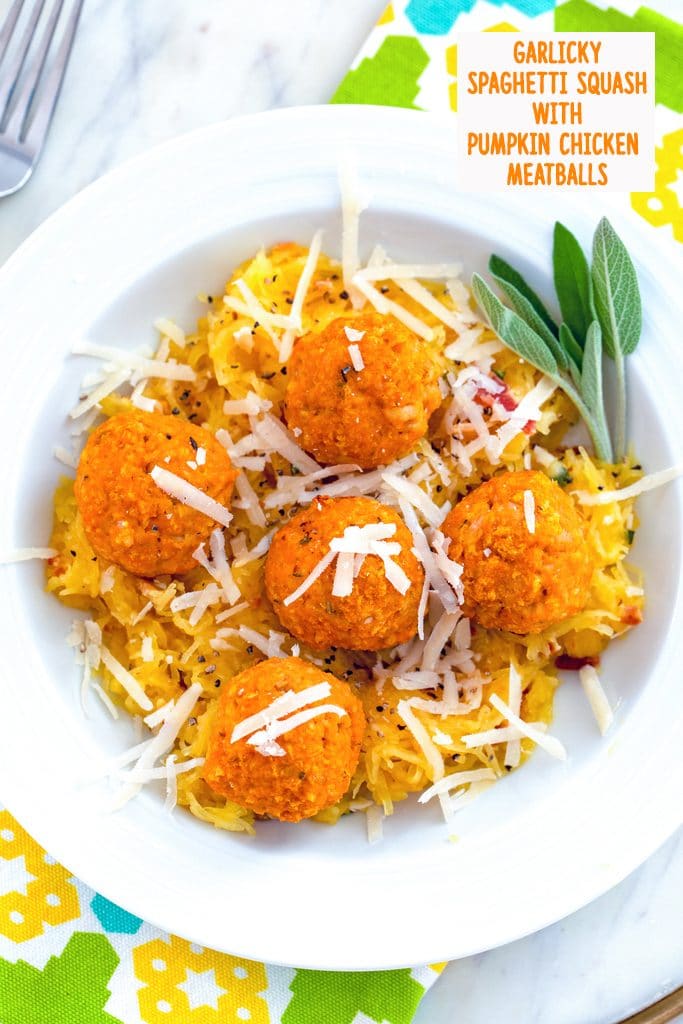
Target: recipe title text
<point>564,111</point>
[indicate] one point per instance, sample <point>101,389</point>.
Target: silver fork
<point>28,101</point>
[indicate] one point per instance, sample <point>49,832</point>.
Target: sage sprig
<point>502,270</point>
<point>601,310</point>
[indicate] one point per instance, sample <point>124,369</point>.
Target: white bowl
<point>543,842</point>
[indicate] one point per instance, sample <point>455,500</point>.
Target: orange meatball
<point>320,756</point>
<point>370,416</point>
<point>375,615</point>
<point>128,519</point>
<point>514,579</point>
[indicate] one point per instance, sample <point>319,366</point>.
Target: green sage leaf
<point>592,392</point>
<point>501,269</point>
<point>526,311</point>
<point>615,291</point>
<point>591,376</point>
<point>572,282</point>
<point>513,331</point>
<point>570,346</point>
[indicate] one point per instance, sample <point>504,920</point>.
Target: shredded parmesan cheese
<point>374,818</point>
<point>597,698</point>
<point>258,551</point>
<point>280,727</point>
<point>550,744</point>
<point>147,649</point>
<point>171,330</point>
<point>126,679</point>
<point>64,456</point>
<point>422,738</point>
<point>106,700</point>
<point>313,575</point>
<point>259,314</point>
<point>135,365</point>
<point>647,483</point>
<point>451,570</point>
<point>454,781</point>
<point>155,718</point>
<point>110,384</point>
<point>249,500</point>
<point>169,768</point>
<point>387,306</point>
<point>107,580</point>
<point>284,705</point>
<point>26,554</point>
<point>251,405</point>
<point>424,298</point>
<point>433,575</point>
<point>353,335</point>
<point>356,358</point>
<point>439,636</point>
<point>189,495</point>
<point>513,751</point>
<point>352,206</point>
<point>417,498</point>
<point>504,734</point>
<point>230,612</point>
<point>171,784</point>
<point>270,646</point>
<point>140,400</point>
<point>529,511</point>
<point>218,567</point>
<point>302,287</point>
<point>410,271</point>
<point>275,437</point>
<point>159,745</point>
<point>142,613</point>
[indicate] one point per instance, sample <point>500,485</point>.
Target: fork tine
<point>46,101</point>
<point>22,106</point>
<point>8,26</point>
<point>9,80</point>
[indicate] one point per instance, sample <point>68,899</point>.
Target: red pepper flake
<point>571,664</point>
<point>504,398</point>
<point>631,616</point>
<point>507,400</point>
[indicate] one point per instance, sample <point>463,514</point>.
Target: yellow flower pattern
<point>452,72</point>
<point>184,982</point>
<point>387,15</point>
<point>38,889</point>
<point>451,54</point>
<point>663,206</point>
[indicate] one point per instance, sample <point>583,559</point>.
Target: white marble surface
<point>145,70</point>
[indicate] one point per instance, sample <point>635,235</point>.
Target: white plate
<point>545,840</point>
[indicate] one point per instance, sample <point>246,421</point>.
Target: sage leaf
<point>571,346</point>
<point>591,375</point>
<point>592,392</point>
<point>501,269</point>
<point>513,331</point>
<point>572,282</point>
<point>526,311</point>
<point>615,291</point>
<point>619,311</point>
